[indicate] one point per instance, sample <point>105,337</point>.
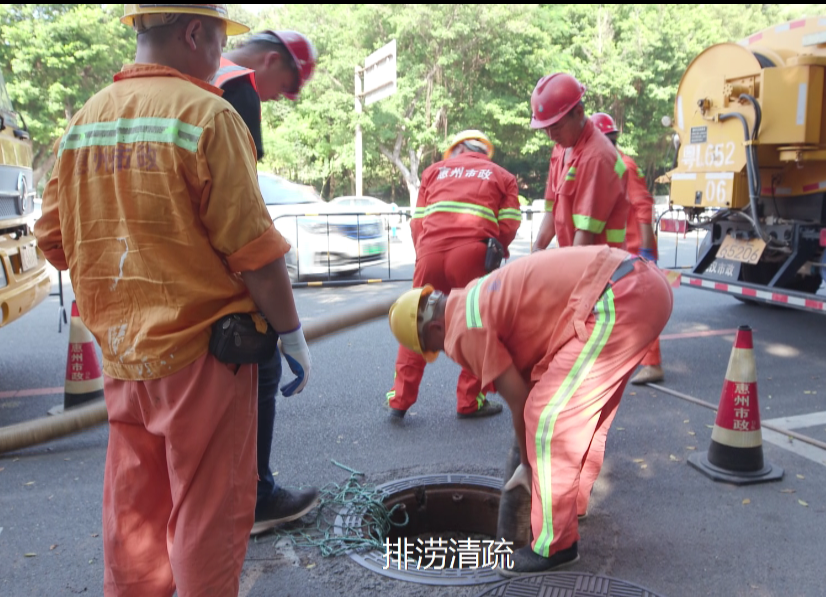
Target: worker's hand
<point>521,476</point>
<point>294,348</point>
<point>648,254</point>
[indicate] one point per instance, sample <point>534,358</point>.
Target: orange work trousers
<point>576,398</point>
<point>444,271</point>
<point>179,481</point>
<point>653,357</point>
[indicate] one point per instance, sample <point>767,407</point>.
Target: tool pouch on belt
<point>243,338</point>
<point>494,254</point>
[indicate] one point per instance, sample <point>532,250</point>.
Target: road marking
<point>800,421</point>
<point>812,453</point>
<point>698,334</point>
<point>31,392</point>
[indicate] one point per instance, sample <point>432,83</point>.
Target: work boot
<point>282,506</point>
<point>648,374</point>
<point>396,414</point>
<point>526,561</point>
<point>487,409</point>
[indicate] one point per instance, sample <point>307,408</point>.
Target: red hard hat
<point>554,96</point>
<point>301,49</point>
<point>604,123</point>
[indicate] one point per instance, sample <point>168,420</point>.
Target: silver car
<point>322,242</point>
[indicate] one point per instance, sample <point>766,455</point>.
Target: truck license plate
<point>28,257</point>
<point>744,251</point>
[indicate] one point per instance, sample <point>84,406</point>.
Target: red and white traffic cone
<point>84,377</point>
<point>736,451</point>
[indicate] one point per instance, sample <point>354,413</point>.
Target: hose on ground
<point>38,431</point>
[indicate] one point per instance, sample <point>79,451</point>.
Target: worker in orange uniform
<point>464,201</point>
<point>639,236</point>
<point>585,200</point>
<point>153,206</point>
<point>558,333</point>
<point>265,67</point>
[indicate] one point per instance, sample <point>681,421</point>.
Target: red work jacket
<point>586,190</point>
<point>462,200</point>
<point>641,206</point>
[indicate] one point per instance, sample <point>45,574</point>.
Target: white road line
<point>801,449</point>
<point>815,419</point>
<point>800,421</point>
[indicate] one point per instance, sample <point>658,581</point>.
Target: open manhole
<point>450,537</point>
<point>569,584</point>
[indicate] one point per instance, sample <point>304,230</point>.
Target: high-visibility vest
<point>229,71</point>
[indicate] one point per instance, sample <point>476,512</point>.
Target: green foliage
<point>459,66</point>
<point>55,57</point>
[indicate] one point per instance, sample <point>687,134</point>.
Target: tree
<point>460,66</point>
<point>55,57</point>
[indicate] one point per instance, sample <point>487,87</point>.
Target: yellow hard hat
<point>216,11</point>
<point>404,320</point>
<point>470,135</point>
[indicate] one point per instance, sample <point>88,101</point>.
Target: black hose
<point>752,166</point>
<point>758,119</point>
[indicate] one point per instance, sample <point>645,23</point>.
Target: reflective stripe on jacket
<point>462,200</point>
<point>587,190</point>
<point>229,71</point>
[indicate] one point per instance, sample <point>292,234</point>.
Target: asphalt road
<point>654,521</point>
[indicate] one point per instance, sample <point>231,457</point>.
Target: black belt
<point>625,268</point>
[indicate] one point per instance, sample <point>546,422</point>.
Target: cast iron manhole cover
<point>451,516</point>
<point>566,584</point>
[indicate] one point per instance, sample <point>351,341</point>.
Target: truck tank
<point>750,168</point>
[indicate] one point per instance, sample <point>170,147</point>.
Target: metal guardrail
<point>679,227</point>
<point>390,221</point>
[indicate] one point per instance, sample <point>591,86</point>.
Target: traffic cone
<point>84,378</point>
<point>736,451</point>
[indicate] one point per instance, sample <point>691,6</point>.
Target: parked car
<point>365,204</point>
<point>322,242</point>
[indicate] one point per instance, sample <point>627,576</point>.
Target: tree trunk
<point>411,174</point>
<point>44,168</point>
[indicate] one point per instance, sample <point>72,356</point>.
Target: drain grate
<point>444,505</point>
<point>566,584</point>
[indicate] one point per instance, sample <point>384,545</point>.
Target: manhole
<point>452,520</point>
<point>566,584</point>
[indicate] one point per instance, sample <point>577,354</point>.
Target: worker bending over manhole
<point>558,333</point>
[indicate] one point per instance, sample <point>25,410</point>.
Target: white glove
<point>294,348</point>
<point>521,476</point>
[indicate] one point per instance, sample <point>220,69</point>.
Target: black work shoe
<point>487,409</point>
<point>526,561</point>
<point>283,506</point>
<point>395,413</point>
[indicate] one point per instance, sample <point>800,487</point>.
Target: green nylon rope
<point>362,501</point>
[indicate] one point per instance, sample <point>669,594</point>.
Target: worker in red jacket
<point>585,200</point>
<point>467,209</point>
<point>639,236</point>
<point>558,333</point>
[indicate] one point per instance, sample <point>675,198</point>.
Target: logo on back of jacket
<point>446,172</point>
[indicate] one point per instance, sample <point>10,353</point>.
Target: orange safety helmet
<point>604,123</point>
<point>301,50</point>
<point>554,96</point>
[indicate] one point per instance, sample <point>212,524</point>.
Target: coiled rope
<point>350,500</point>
